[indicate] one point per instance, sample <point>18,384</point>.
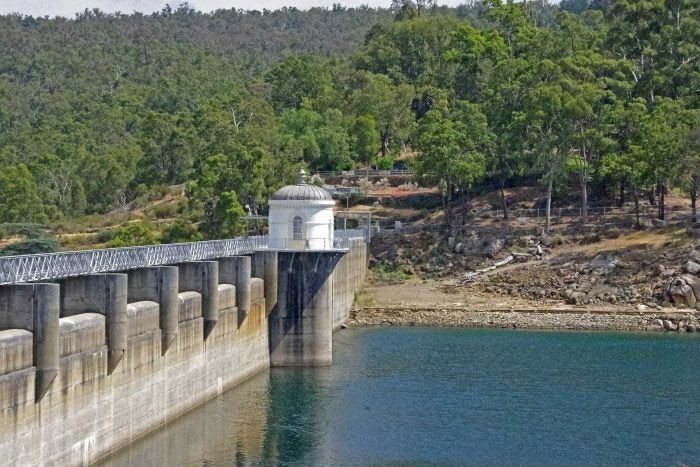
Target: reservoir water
<point>433,396</point>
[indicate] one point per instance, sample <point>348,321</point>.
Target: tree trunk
<point>584,199</point>
<point>465,206</point>
<point>385,143</point>
<point>444,207</point>
<point>662,201</point>
<point>652,196</point>
<point>547,222</point>
<point>635,195</point>
<point>621,202</point>
<point>694,196</point>
<point>448,211</point>
<point>504,205</point>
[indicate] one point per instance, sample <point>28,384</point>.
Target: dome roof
<point>301,192</point>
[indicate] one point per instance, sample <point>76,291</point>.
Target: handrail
<point>47,266</point>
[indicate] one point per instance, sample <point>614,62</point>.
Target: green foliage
<point>25,230</point>
<point>452,148</point>
<point>223,217</point>
<point>365,138</point>
<point>411,50</point>
<point>19,196</point>
<point>389,105</point>
<point>30,246</point>
<point>163,211</point>
<point>297,77</point>
<point>132,234</point>
<point>101,113</point>
<point>390,272</point>
<point>105,236</point>
<point>385,162</point>
<point>180,232</point>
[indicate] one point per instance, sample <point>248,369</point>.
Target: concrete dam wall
<point>91,363</point>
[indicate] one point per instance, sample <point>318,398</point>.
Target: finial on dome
<point>302,177</point>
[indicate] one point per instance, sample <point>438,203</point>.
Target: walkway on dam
<point>48,266</point>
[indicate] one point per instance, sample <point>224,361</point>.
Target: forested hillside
<point>101,111</point>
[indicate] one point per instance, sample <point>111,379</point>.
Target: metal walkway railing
<point>47,266</point>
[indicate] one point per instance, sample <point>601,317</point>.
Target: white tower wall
<point>316,224</point>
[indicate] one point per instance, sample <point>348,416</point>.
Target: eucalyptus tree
<point>19,196</point>
<point>550,104</point>
<point>389,105</point>
<point>451,148</point>
<point>660,41</point>
<point>594,82</point>
<point>411,50</point>
<point>626,162</point>
<point>664,135</point>
<point>492,74</point>
<point>364,139</point>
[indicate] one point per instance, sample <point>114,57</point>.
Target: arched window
<point>296,228</point>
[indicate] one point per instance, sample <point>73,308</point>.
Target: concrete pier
<point>236,270</point>
<point>265,267</point>
<point>160,285</point>
<point>33,308</point>
<point>203,277</point>
<point>103,294</point>
<point>301,325</point>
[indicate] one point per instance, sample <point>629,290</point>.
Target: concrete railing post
<point>158,284</point>
<point>265,267</point>
<point>105,294</point>
<point>236,270</point>
<point>202,277</point>
<point>35,308</point>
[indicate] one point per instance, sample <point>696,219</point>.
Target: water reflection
<point>294,400</point>
<point>265,420</point>
<point>227,430</point>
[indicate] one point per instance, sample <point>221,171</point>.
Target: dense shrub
<point>44,244</point>
<point>133,234</point>
<point>180,232</point>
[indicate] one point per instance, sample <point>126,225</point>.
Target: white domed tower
<point>301,217</point>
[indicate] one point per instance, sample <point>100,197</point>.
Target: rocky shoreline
<point>530,318</point>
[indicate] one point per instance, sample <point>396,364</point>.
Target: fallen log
<point>470,276</point>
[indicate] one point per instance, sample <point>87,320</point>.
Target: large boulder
<point>492,246</point>
<point>577,298</point>
<point>694,283</point>
<point>691,267</point>
<point>601,264</point>
<point>670,325</point>
<point>681,293</point>
<point>694,255</point>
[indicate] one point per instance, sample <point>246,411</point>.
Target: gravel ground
<point>575,319</point>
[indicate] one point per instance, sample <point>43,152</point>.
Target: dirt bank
<point>426,303</point>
